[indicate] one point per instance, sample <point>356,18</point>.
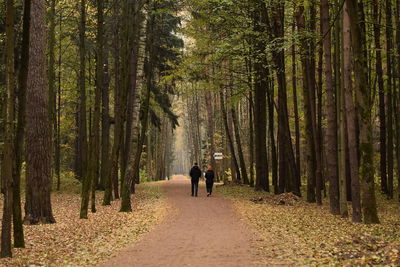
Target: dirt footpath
<point>200,232</point>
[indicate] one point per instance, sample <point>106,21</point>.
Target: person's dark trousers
<point>209,187</point>
<point>195,187</point>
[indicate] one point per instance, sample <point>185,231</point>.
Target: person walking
<point>195,174</point>
<point>209,180</point>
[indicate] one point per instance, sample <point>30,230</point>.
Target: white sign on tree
<point>218,156</point>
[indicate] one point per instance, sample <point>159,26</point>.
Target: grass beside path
<point>293,232</point>
<point>75,242</point>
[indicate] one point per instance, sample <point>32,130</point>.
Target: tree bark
<point>52,75</point>
<point>105,125</point>
<point>271,129</point>
<point>243,169</point>
<point>331,133</point>
<point>381,90</point>
<point>19,241</point>
<point>229,135</point>
<point>197,127</point>
<point>316,110</point>
<point>82,127</point>
<point>57,156</point>
<point>397,94</point>
<point>343,168</point>
<point>260,103</point>
<point>296,109</point>
<point>132,89</point>
<point>364,107</point>
<point>120,112</point>
<point>313,156</point>
<point>94,139</point>
<point>134,162</point>
<point>86,164</point>
<point>132,125</point>
<point>8,149</point>
<point>288,180</point>
<point>38,136</point>
<point>251,139</point>
<point>342,152</point>
<point>211,129</point>
<point>351,119</point>
<point>249,69</point>
<point>389,103</point>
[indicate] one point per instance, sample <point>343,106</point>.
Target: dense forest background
<point>299,96</point>
<point>303,91</point>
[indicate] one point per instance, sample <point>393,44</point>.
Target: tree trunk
<point>112,176</point>
<point>331,133</point>
<point>340,96</point>
<point>364,107</point>
<point>249,70</point>
<point>271,122</point>
<point>316,110</point>
<point>88,165</point>
<point>342,152</point>
<point>196,127</point>
<point>94,140</point>
<point>397,94</point>
<point>133,106</point>
<point>288,181</point>
<point>243,169</point>
<point>135,140</point>
<point>389,103</point>
<point>82,127</point>
<point>134,162</point>
<point>19,241</point>
<point>193,150</point>
<point>105,125</point>
<point>260,103</point>
<point>351,118</point>
<point>296,110</point>
<point>313,157</point>
<point>229,135</point>
<point>38,136</point>
<point>8,149</point>
<point>381,89</point>
<point>120,112</point>
<point>210,129</point>
<point>52,75</point>
<point>57,156</point>
<point>251,139</point>
<point>321,180</point>
<point>235,172</point>
<point>132,89</point>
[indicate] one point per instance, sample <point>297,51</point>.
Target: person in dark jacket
<point>195,174</point>
<point>209,180</point>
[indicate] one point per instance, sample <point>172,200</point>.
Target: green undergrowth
<point>68,183</point>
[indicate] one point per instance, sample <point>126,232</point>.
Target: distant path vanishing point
<point>200,232</point>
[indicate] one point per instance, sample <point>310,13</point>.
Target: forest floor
<point>200,231</point>
<point>295,233</point>
<point>75,242</point>
<point>235,227</point>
